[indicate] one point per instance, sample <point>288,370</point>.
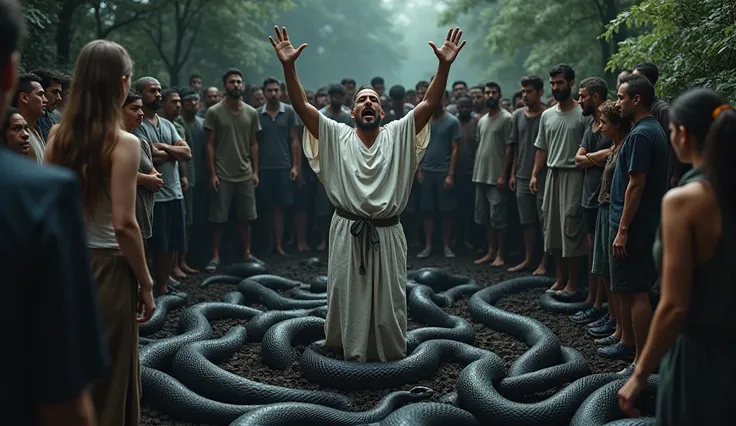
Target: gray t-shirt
<point>444,131</point>
<point>164,132</point>
<point>560,134</point>
<point>274,139</point>
<point>593,141</point>
<point>494,135</point>
<point>523,136</point>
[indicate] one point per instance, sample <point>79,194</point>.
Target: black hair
<point>410,92</point>
<point>363,87</point>
<point>193,76</point>
<point>719,152</point>
<point>229,72</point>
<point>6,123</point>
<point>463,98</point>
<point>465,85</point>
<point>168,92</point>
<point>12,29</point>
<point>648,70</point>
<point>25,85</point>
<point>48,77</point>
<point>377,80</point>
<point>532,80</point>
<point>566,70</point>
<point>517,95</point>
<point>638,85</point>
<point>66,82</point>
<point>422,85</point>
<point>322,91</point>
<point>187,91</point>
<point>693,110</point>
<point>336,89</point>
<point>493,85</point>
<point>271,80</point>
<point>347,80</point>
<point>131,97</point>
<point>397,93</point>
<point>595,85</point>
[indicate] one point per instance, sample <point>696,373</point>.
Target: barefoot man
<point>367,173</point>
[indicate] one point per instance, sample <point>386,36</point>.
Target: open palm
<point>451,47</point>
<point>284,49</point>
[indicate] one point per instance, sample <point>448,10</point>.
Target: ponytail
<point>720,153</point>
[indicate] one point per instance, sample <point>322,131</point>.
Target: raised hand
<point>450,48</point>
<point>284,49</point>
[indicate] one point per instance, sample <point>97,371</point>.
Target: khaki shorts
<point>490,206</point>
<point>243,194</point>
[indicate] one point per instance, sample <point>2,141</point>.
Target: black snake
<point>181,377</point>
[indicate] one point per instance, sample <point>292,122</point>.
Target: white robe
<point>366,314</point>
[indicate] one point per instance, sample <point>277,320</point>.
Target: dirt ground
<point>247,362</point>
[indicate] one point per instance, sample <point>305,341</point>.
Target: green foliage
<point>693,42</point>
<point>531,36</point>
<point>39,16</point>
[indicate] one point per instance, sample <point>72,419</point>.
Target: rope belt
<point>365,228</point>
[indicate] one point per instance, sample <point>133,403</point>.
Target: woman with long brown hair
<point>90,141</point>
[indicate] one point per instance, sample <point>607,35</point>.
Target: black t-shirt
<point>53,344</point>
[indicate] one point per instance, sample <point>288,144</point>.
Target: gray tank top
<point>713,298</point>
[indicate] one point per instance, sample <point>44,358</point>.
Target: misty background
<point>693,42</point>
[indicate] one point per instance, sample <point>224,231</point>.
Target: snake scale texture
<point>181,376</point>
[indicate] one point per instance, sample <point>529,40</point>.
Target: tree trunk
<point>64,33</point>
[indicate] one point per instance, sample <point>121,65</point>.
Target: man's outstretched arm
<point>307,113</point>
<point>287,55</point>
<point>446,54</point>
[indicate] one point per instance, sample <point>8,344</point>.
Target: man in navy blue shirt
<point>54,347</point>
<point>639,183</point>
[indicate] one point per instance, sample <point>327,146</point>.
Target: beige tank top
<point>100,232</point>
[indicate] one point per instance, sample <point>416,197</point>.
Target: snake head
<point>421,392</point>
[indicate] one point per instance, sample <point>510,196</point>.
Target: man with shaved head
<point>367,173</point>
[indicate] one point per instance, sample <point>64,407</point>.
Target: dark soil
<point>247,362</point>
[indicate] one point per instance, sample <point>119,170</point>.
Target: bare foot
<point>487,258</point>
<point>188,269</point>
<point>557,286</point>
<point>520,267</point>
<point>301,248</point>
<point>322,246</point>
<point>498,262</point>
<point>247,256</point>
<point>541,270</point>
<point>281,252</point>
<point>178,274</point>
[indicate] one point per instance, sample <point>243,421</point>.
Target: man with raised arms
<point>367,173</point>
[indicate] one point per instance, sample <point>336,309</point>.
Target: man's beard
<point>155,104</point>
<point>234,93</point>
<point>561,95</point>
<point>588,111</point>
<point>364,125</point>
<point>464,115</point>
<point>337,105</point>
<point>492,103</point>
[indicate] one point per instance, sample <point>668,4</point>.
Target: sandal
<point>212,265</point>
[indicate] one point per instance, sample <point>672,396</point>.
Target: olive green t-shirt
<point>233,133</point>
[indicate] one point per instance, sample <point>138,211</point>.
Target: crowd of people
<point>125,169</point>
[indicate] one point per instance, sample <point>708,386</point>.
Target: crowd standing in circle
<point>124,168</point>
